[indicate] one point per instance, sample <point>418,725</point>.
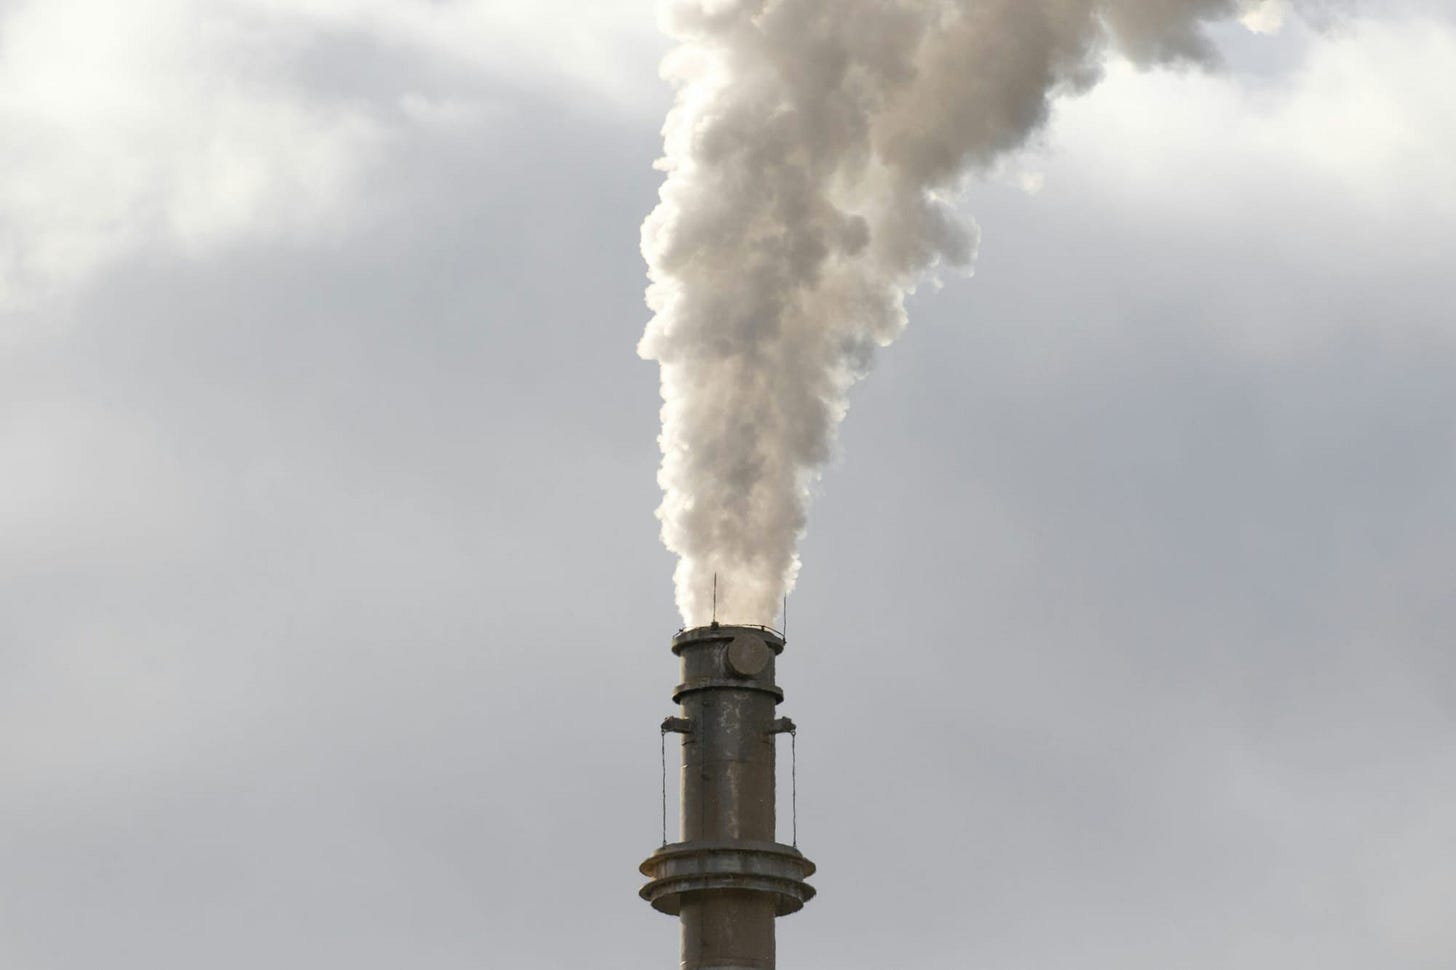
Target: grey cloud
<point>1119,643</point>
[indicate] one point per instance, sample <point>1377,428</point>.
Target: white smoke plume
<point>813,157</point>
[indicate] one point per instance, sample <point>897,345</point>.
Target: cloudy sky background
<point>333,621</point>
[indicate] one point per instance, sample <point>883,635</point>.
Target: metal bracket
<point>781,725</point>
<point>677,725</point>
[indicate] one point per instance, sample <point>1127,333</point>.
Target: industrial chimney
<point>728,878</point>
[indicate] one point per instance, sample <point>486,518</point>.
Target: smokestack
<point>727,878</point>
<point>813,158</point>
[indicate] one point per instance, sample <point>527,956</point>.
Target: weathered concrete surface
<point>727,878</point>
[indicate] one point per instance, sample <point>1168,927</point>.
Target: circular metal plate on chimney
<point>747,655</point>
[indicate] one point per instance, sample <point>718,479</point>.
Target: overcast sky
<point>333,617</point>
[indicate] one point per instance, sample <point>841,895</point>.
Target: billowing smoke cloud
<point>813,157</point>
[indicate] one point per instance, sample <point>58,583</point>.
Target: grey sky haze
<point>333,617</point>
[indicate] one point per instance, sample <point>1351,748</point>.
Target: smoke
<point>813,157</point>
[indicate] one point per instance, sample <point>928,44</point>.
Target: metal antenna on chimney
<point>715,599</point>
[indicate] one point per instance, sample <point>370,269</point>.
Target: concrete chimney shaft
<point>727,879</point>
